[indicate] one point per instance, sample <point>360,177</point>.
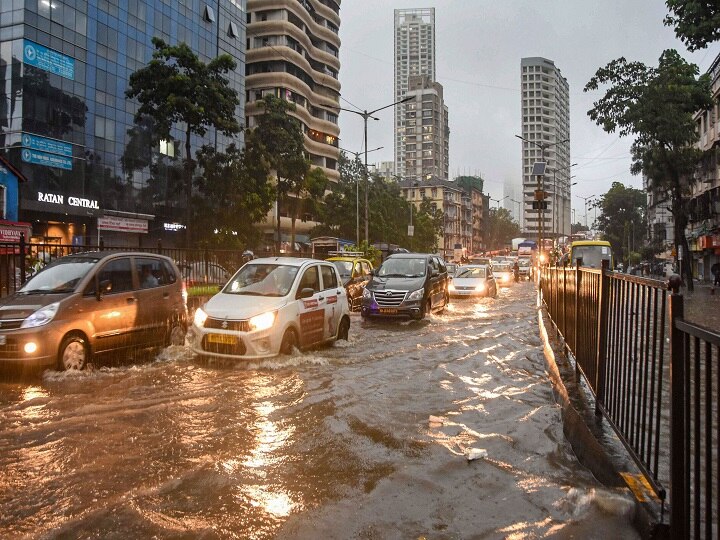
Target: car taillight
<point>184,292</point>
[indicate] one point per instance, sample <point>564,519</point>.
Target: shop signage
<point>10,231</point>
<point>47,160</point>
<point>121,224</point>
<point>173,226</point>
<point>44,144</point>
<point>54,198</point>
<point>48,60</point>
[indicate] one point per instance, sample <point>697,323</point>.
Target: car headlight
<point>451,287</point>
<point>262,321</point>
<point>367,294</point>
<point>480,288</point>
<point>506,278</point>
<point>200,318</point>
<point>42,316</point>
<point>416,295</point>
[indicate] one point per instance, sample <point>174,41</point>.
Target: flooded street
<point>364,439</point>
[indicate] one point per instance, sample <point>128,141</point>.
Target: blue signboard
<point>46,145</point>
<point>48,60</point>
<point>48,160</point>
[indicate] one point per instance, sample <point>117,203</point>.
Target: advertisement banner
<point>46,160</point>
<point>48,60</point>
<point>43,144</point>
<point>121,224</point>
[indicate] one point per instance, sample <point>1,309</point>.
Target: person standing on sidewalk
<point>715,269</point>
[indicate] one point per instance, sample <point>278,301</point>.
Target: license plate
<point>388,310</point>
<point>224,339</point>
<point>2,339</point>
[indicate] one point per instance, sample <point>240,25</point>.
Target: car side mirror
<point>372,272</point>
<point>104,287</point>
<point>435,272</point>
<point>307,292</point>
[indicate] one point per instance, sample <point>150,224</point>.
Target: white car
<point>271,306</point>
<point>473,280</point>
<point>503,274</point>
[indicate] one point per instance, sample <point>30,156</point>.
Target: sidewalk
<point>702,306</point>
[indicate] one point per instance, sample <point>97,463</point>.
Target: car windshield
<point>476,272</point>
<point>59,277</point>
<point>402,267</point>
<point>592,256</point>
<point>523,262</point>
<point>344,267</point>
<point>501,267</point>
<point>262,280</point>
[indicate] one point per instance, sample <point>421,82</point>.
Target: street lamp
<point>365,115</point>
<point>556,196</point>
<point>541,187</point>
<point>498,201</point>
<point>585,200</point>
<point>357,192</point>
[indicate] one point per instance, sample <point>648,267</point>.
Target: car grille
<point>234,349</point>
<point>464,288</point>
<point>10,324</point>
<point>389,298</point>
<point>224,324</point>
<point>9,350</point>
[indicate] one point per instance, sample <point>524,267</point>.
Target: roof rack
<point>346,253</point>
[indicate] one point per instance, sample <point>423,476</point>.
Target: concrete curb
<point>589,451</point>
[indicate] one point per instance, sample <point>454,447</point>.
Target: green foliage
<point>371,253</point>
<point>467,182</point>
<point>656,106</point>
<point>176,87</point>
<point>428,224</point>
<point>501,228</point>
<point>696,22</point>
<point>623,219</point>
<point>236,194</point>
<point>578,227</point>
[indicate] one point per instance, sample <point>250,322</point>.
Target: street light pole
<point>365,115</point>
<point>585,200</point>
<point>357,191</point>
<point>541,187</point>
<point>556,197</point>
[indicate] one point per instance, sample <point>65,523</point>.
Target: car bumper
<point>13,347</point>
<point>234,345</point>
<point>408,309</point>
<point>468,294</point>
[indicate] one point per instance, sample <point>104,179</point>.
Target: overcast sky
<point>479,44</point>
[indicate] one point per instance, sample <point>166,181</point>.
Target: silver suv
<point>90,304</point>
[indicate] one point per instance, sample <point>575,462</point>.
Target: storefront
<point>709,254</point>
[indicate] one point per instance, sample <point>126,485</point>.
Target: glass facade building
<point>66,124</point>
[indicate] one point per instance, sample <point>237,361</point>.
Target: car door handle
<point>166,295</point>
<point>321,298</point>
<point>130,300</point>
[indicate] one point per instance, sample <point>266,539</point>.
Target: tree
<point>176,87</point>
<point>306,194</point>
<point>282,138</point>
<point>501,228</point>
<point>656,105</point>
<point>428,223</point>
<point>578,227</point>
<point>623,219</point>
<point>236,194</point>
<point>697,22</point>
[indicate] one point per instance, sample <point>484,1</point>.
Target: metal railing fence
<point>19,260</point>
<point>663,403</point>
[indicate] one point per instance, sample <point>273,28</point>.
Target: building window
<point>167,148</point>
<point>209,14</point>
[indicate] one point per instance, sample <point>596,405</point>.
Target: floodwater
<point>364,439</point>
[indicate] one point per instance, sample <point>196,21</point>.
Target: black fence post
<point>602,332</point>
<point>22,258</point>
<point>101,244</point>
<point>679,484</point>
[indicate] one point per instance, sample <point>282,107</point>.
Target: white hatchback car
<point>269,307</point>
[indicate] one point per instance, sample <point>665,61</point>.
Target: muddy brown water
<point>364,439</point>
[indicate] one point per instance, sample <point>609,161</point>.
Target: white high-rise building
<point>545,108</point>
<point>414,55</point>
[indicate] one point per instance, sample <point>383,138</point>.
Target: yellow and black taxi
<point>354,273</point>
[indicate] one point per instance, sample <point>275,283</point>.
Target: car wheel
<point>73,353</point>
<point>175,333</point>
<point>426,310</point>
<point>289,341</point>
<point>344,329</point>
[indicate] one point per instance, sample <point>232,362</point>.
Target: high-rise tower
<point>545,105</point>
<point>414,55</point>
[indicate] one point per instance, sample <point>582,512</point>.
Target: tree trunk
<point>188,188</point>
<point>278,241</point>
<point>679,223</point>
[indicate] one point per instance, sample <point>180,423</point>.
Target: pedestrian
<point>715,269</point>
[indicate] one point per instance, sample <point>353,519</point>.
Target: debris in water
<point>476,453</point>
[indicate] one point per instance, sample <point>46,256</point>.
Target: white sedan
<point>269,307</point>
<point>503,274</point>
<point>472,281</point>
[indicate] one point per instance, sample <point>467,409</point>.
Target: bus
<point>592,253</point>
